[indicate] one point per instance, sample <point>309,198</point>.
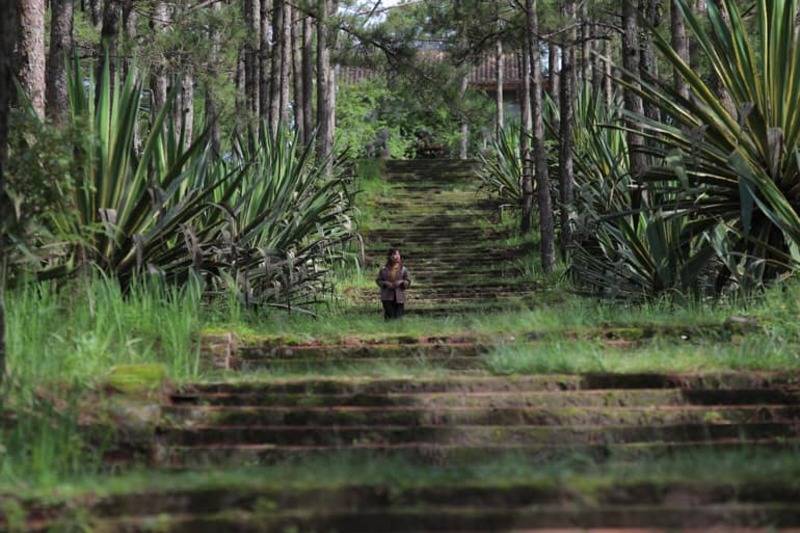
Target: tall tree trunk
<point>308,78</point>
<point>565,161</point>
<point>586,45</point>
<point>633,102</point>
<point>553,73</point>
<point>96,12</point>
<point>211,107</point>
<point>297,75</point>
<point>187,105</point>
<point>499,86</point>
<point>158,79</point>
<point>31,52</point>
<point>546,225</point>
<point>129,21</point>
<point>61,44</point>
<point>597,63</point>
<point>264,58</point>
<point>286,62</point>
<point>463,141</point>
<point>275,111</point>
<point>700,9</point>
<point>241,95</point>
<point>681,45</point>
<point>324,118</point>
<point>526,125</point>
<point>9,25</point>
<point>719,87</point>
<point>108,37</point>
<point>648,66</point>
<point>252,17</point>
<point>608,82</point>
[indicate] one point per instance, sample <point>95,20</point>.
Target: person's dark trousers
<point>392,309</point>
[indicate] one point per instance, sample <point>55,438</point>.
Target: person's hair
<point>390,254</point>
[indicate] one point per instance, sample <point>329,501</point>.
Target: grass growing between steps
<point>577,474</point>
<point>758,352</point>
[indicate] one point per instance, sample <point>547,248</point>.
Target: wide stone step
<point>478,519</point>
<point>373,351</point>
<point>786,382</point>
<point>502,399</point>
<point>440,454</point>
<point>566,436</point>
<point>353,497</point>
<point>455,416</point>
<point>313,365</point>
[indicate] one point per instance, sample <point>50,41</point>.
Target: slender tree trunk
<point>31,52</point>
<point>499,86</point>
<point>586,45</point>
<point>546,225</point>
<point>608,83</point>
<point>308,78</point>
<point>648,67</point>
<point>241,94</point>
<point>526,125</point>
<point>324,119</point>
<point>633,102</point>
<point>61,44</point>
<point>96,12</point>
<point>275,111</point>
<point>565,161</point>
<point>297,76</point>
<point>108,37</point>
<point>681,45</point>
<point>719,87</point>
<point>211,108</point>
<point>158,80</point>
<point>129,21</point>
<point>9,25</point>
<point>264,58</point>
<point>700,9</point>
<point>553,73</point>
<point>187,106</point>
<point>463,144</point>
<point>252,17</point>
<point>286,62</point>
<point>597,63</point>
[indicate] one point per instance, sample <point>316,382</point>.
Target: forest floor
<point>502,401</point>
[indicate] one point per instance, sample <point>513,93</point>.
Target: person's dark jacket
<point>398,293</point>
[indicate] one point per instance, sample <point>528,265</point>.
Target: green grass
<point>578,473</point>
<point>752,353</point>
<point>78,333</point>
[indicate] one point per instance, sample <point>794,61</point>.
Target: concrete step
<point>454,455</point>
<point>606,398</point>
<point>491,435</point>
<point>223,416</point>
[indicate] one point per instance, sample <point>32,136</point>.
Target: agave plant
<point>739,165</point>
<point>501,170</point>
<point>131,211</point>
<point>620,251</point>
<point>286,218</point>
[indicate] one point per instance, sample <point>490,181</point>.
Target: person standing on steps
<point>393,279</point>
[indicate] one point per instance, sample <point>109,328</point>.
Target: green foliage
<point>501,168</point>
<point>262,220</point>
<point>736,167</point>
<point>365,114</point>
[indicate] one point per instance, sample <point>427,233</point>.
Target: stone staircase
<point>464,418</point>
<point>445,414</point>
<point>447,234</point>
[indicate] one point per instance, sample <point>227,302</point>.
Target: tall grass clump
<point>75,334</point>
